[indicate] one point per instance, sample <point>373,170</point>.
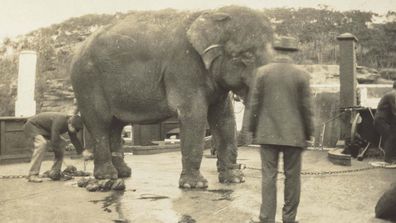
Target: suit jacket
<point>280,105</point>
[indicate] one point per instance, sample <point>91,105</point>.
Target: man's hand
<point>63,142</point>
<point>87,155</point>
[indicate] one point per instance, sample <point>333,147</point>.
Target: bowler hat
<point>286,43</point>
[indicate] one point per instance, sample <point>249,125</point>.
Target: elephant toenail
<point>200,184</point>
<point>186,185</point>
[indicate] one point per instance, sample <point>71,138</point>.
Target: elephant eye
<point>248,58</point>
<point>247,54</point>
<point>248,61</point>
<point>238,61</point>
<point>245,58</point>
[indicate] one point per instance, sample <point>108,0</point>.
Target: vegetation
<point>317,30</point>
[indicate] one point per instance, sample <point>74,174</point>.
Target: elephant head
<point>232,42</point>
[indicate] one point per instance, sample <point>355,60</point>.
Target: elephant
<point>154,65</point>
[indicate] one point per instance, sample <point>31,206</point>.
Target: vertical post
<point>348,81</point>
<point>25,104</point>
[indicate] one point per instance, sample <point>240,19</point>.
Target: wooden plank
<point>336,157</point>
<point>14,125</point>
<point>16,143</point>
<point>7,118</point>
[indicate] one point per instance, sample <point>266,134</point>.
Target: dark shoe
<point>34,179</point>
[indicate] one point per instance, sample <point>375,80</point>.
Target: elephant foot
<point>123,169</point>
<point>105,171</point>
<point>92,184</point>
<point>192,180</point>
<point>231,176</point>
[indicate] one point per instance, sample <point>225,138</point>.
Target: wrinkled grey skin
<point>154,65</point>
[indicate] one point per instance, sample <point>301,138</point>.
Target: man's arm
<point>307,108</point>
<point>76,142</point>
<point>253,106</point>
<point>392,103</point>
<point>56,139</point>
<point>55,135</point>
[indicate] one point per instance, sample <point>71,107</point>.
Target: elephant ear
<point>206,35</point>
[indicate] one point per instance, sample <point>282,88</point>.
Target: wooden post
<point>348,81</point>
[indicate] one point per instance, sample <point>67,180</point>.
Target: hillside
<point>55,45</point>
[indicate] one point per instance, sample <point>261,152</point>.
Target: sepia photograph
<point>207,111</point>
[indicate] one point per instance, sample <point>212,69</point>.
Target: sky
<point>22,16</point>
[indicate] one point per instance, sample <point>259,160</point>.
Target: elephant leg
<point>103,165</point>
<point>97,120</point>
<point>192,132</point>
<point>223,128</point>
<point>117,152</point>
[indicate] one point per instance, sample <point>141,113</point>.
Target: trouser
<point>292,168</point>
<point>40,145</point>
<point>388,133</point>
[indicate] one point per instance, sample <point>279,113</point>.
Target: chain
<point>25,176</point>
<point>12,176</point>
<point>322,173</point>
<point>309,173</point>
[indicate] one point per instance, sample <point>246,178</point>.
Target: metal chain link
<point>322,173</point>
<point>12,176</point>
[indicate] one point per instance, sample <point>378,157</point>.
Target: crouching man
<point>385,124</point>
<point>45,130</point>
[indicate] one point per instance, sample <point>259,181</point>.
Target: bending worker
<point>44,130</point>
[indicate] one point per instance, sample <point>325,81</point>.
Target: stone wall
<point>330,74</point>
<point>58,96</point>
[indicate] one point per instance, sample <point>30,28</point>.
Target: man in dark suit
<point>281,120</point>
<point>385,123</point>
<point>45,129</point>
